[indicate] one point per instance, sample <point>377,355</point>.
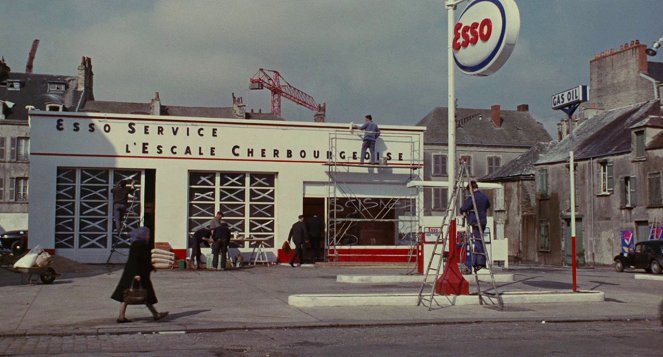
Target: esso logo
<point>465,35</point>
<point>485,35</point>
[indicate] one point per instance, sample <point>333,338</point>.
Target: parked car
<point>647,255</point>
<point>14,241</point>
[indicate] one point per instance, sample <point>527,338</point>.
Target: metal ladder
<point>427,297</point>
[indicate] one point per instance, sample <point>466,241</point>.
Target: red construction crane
<point>280,87</point>
<point>31,56</point>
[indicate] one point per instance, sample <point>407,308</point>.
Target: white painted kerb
<point>520,297</point>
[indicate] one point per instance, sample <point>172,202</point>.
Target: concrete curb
<point>391,279</point>
<point>519,297</point>
<point>648,277</point>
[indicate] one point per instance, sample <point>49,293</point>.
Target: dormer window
<point>54,107</point>
<point>57,87</point>
<point>13,84</point>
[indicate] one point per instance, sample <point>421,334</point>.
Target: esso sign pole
<point>479,44</point>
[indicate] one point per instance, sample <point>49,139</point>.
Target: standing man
<point>298,234</point>
<point>315,230</point>
<point>120,202</point>
<point>221,238</point>
<point>478,225</point>
<point>371,134</point>
<point>216,221</point>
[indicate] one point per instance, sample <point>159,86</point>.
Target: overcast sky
<point>387,58</point>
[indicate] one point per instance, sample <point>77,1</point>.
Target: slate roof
<point>34,91</point>
<point>655,70</point>
<point>519,129</point>
<point>98,106</point>
<point>604,134</point>
<point>521,167</point>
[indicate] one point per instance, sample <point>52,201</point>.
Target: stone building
<point>520,201</point>
<point>485,138</point>
<point>19,92</point>
<point>617,143</point>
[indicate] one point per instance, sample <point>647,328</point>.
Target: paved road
<point>233,309</point>
<point>602,338</point>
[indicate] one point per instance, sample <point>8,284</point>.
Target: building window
<point>20,149</point>
<point>606,178</point>
<point>628,192</point>
<point>467,159</point>
<point>439,165</point>
<point>544,236</point>
<point>439,199</point>
<point>18,189</point>
<point>639,140</point>
<point>2,189</point>
<point>247,201</point>
<point>542,188</point>
<point>3,145</point>
<point>84,208</point>
<point>654,189</point>
<point>494,163</point>
<point>13,84</point>
<point>56,87</point>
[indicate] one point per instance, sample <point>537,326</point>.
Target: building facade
<point>261,174</point>
<point>18,93</point>
<point>616,142</point>
<point>486,140</point>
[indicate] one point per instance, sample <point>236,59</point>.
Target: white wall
<point>225,145</point>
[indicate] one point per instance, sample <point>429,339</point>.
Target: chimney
<point>239,108</point>
<point>85,76</point>
<point>523,108</point>
<point>155,105</point>
<point>495,115</point>
<point>319,116</point>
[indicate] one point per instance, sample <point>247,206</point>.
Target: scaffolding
<point>348,210</point>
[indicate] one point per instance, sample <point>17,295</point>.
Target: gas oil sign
<point>485,35</point>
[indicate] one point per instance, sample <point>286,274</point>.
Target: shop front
<point>260,174</point>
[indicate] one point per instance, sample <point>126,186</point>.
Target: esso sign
<point>485,36</point>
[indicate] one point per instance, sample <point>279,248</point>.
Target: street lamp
<point>652,51</point>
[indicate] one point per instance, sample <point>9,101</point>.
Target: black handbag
<point>135,295</point>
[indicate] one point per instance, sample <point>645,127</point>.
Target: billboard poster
<point>656,233</point>
<point>628,242</point>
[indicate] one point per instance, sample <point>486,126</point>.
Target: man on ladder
<point>478,223</point>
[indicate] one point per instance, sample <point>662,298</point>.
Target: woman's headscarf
<point>140,234</point>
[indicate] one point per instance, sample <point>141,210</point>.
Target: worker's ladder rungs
<point>440,240</point>
<point>493,298</point>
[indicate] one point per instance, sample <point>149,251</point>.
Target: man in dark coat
<point>478,225</point>
<point>315,228</point>
<point>138,268</point>
<point>298,234</point>
<point>221,238</point>
<point>197,239</point>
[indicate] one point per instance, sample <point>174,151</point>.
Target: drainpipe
<point>654,82</point>
<point>591,210</point>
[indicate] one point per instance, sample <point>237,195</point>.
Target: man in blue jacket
<point>371,134</point>
<point>478,225</point>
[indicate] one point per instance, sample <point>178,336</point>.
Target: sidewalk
<point>79,302</point>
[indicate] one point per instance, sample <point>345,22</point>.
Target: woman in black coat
<point>138,267</point>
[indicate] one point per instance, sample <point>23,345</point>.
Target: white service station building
<point>260,174</point>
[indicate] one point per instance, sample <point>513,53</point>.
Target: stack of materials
<point>163,259</point>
